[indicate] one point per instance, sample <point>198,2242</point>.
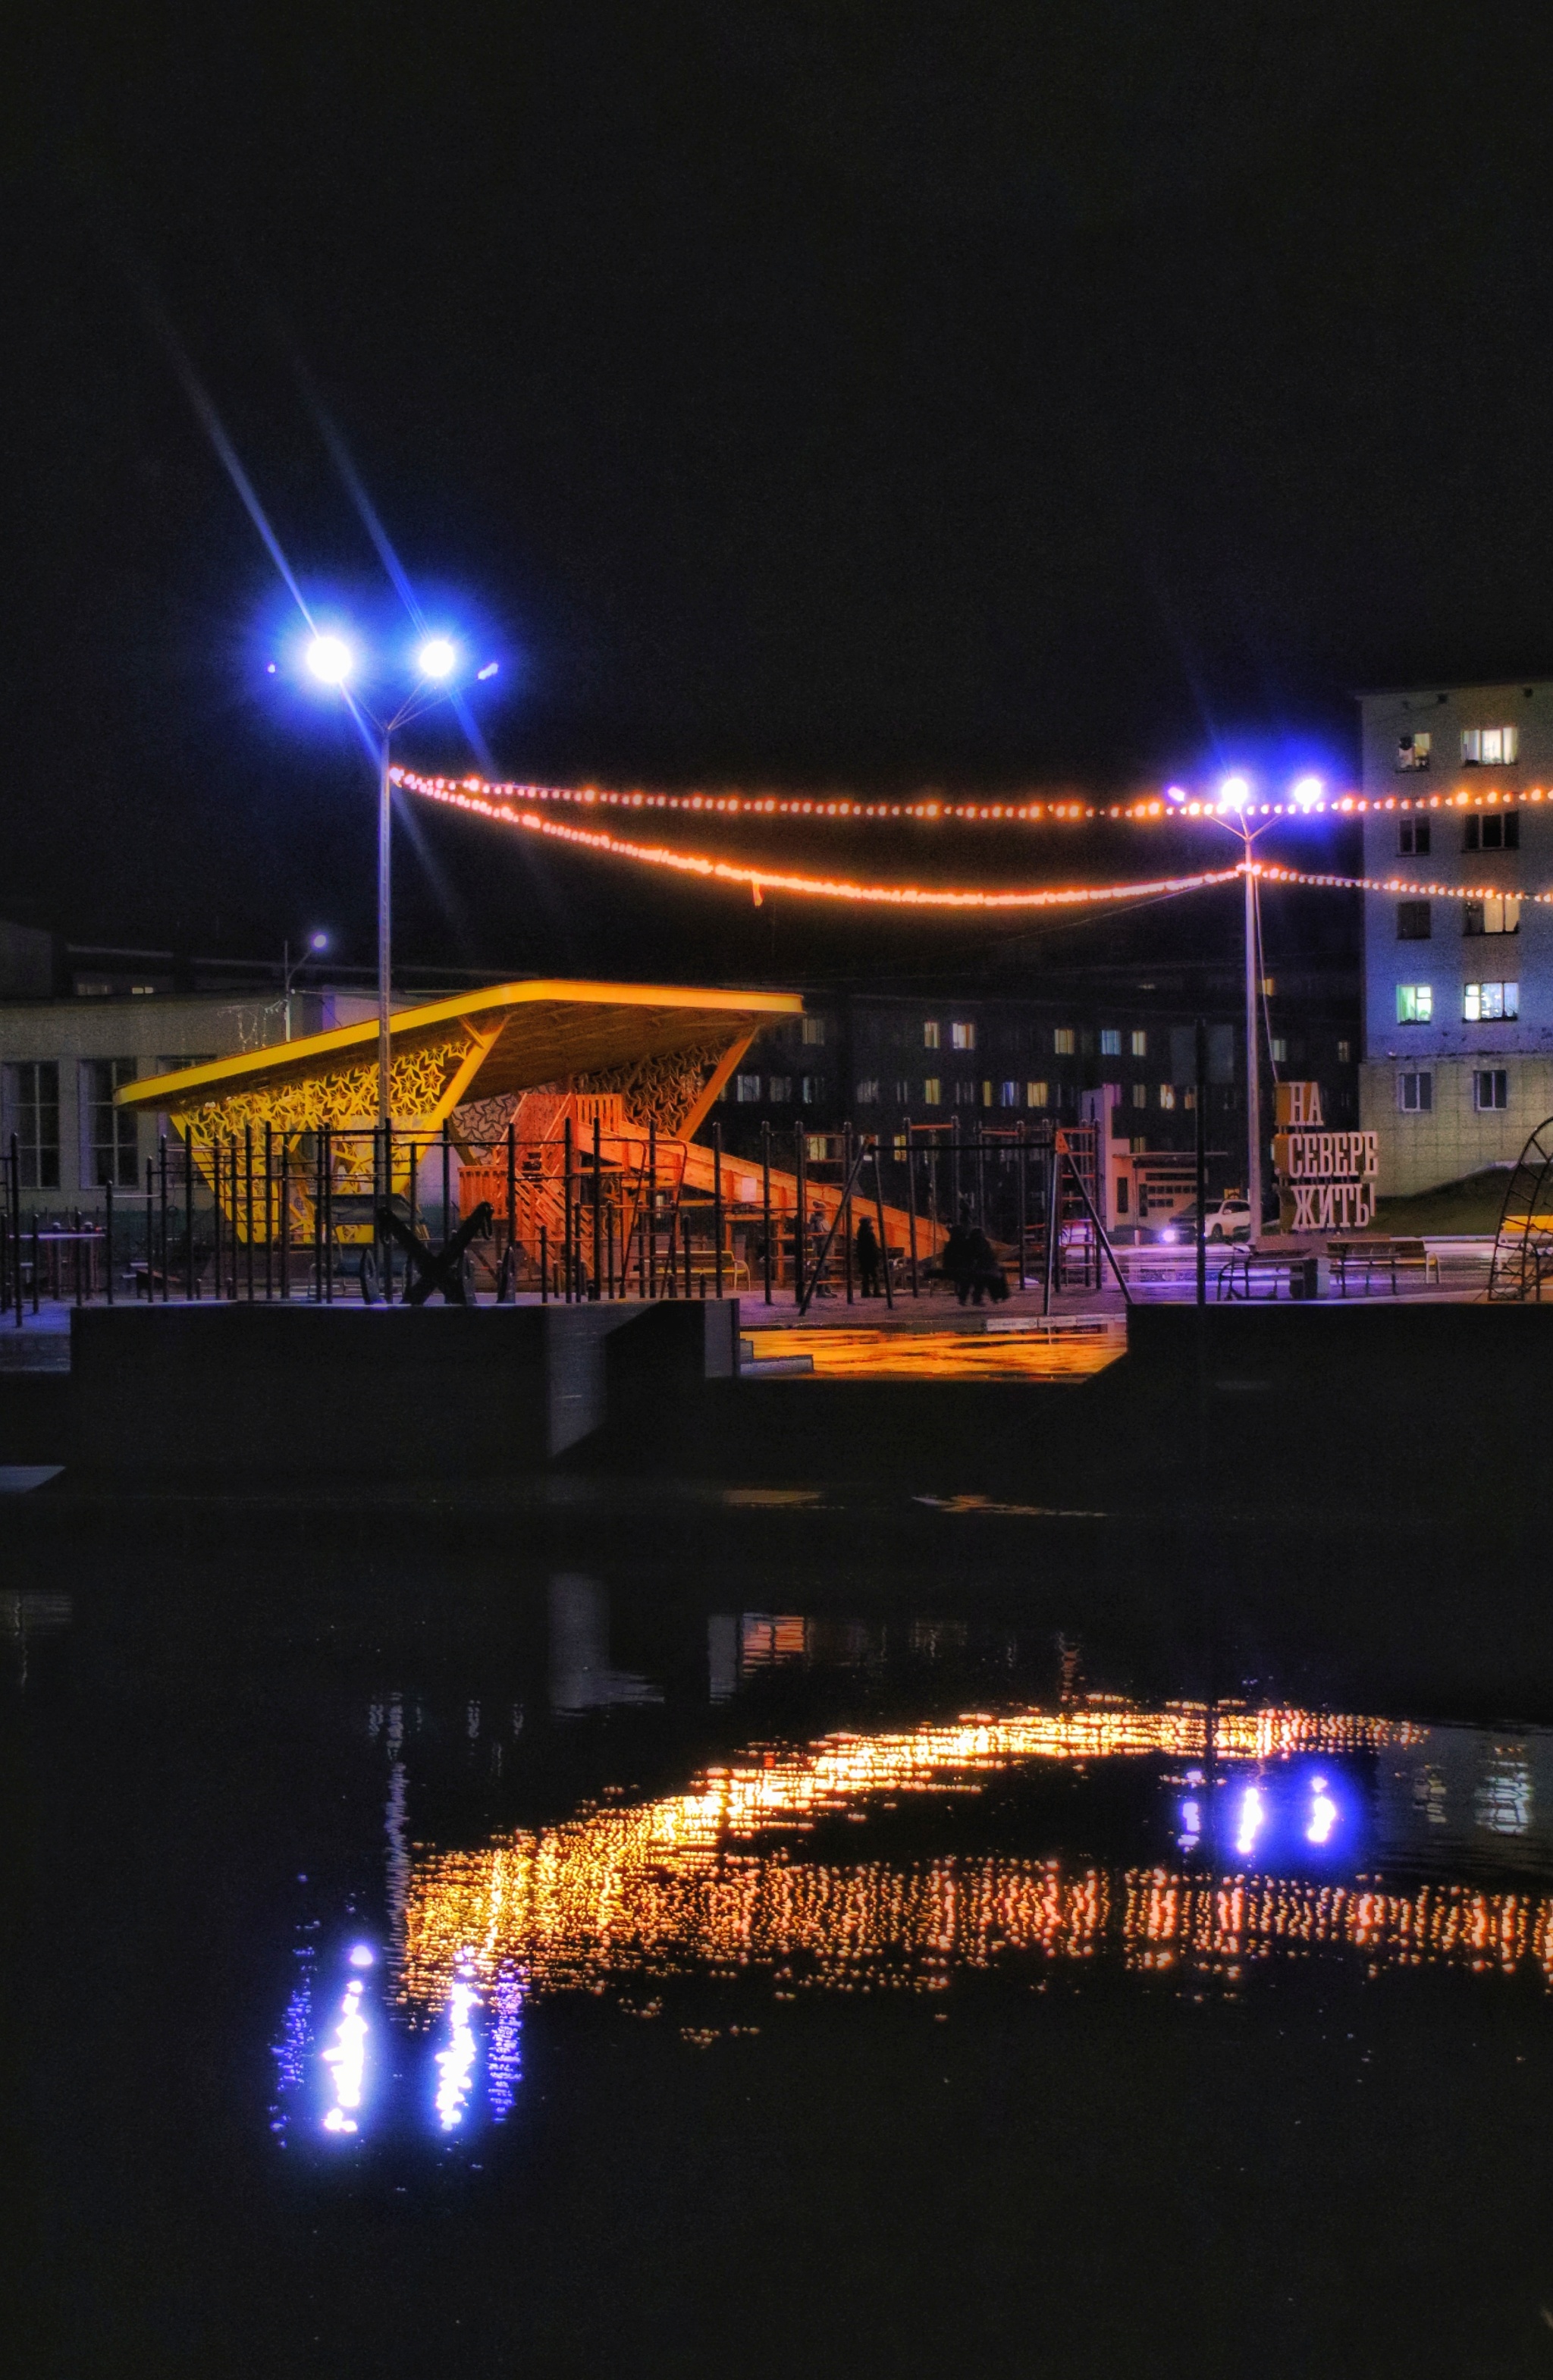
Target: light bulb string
<point>760,879</point>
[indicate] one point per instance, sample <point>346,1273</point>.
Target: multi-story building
<point>982,1062</point>
<point>1457,1065</point>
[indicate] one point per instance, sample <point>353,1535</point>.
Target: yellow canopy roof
<point>497,1042</point>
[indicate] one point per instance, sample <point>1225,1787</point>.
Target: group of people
<point>969,1262</point>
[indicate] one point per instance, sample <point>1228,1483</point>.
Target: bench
<point>1391,1257</point>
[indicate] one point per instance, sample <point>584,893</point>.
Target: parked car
<point>1229,1219</point>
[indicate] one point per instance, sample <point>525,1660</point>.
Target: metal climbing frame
<point>1523,1245</point>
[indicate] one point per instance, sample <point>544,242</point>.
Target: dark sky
<point>793,394</point>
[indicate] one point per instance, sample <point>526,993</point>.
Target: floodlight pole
<point>385,927</point>
<point>1253,1064</point>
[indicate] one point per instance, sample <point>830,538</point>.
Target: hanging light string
<point>1147,809</point>
<point>760,881</point>
<point>1271,873</point>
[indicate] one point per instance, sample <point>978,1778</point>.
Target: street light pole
<point>385,926</point>
<point>1252,1061</point>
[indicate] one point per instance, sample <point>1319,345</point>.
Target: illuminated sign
<point>1325,1179</point>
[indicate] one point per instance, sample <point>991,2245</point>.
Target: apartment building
<point>1458,1064</point>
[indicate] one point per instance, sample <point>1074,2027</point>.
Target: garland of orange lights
<point>1147,809</point>
<point>760,881</point>
<point>489,803</point>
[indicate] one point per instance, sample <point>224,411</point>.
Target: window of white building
<point>1498,913</point>
<point>1485,1004</point>
<point>1492,830</point>
<point>1490,1087</point>
<point>32,1100</point>
<point>1490,747</point>
<point>1412,838</point>
<point>1415,1093</point>
<point>1412,751</point>
<point>1415,1003</point>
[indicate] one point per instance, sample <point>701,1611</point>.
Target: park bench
<point>1378,1254</point>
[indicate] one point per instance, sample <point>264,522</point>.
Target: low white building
<point>64,1055</point>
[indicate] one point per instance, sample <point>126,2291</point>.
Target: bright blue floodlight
<point>1234,792</point>
<point>1307,792</point>
<point>438,658</point>
<point>330,660</point>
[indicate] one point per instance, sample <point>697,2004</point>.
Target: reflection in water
<point>580,1675</point>
<point>456,2062</point>
<point>711,1880</point>
<point>345,2058</point>
<point>1279,1818</point>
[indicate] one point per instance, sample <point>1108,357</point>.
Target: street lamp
<point>333,660</point>
<point>291,967</point>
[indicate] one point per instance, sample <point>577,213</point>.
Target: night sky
<point>790,396</point>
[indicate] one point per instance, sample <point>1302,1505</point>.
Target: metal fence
<point>600,1207</point>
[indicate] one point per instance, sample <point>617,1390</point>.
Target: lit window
<point>811,1091</point>
<point>1280,1051</point>
<point>1345,1053</point>
<point>110,1131</point>
<point>1111,1041</point>
<point>1415,1003</point>
<point>1413,921</point>
<point>33,1100</point>
<point>931,1035</point>
<point>1139,1043</point>
<point>1415,1093</point>
<point>1009,1095</point>
<point>986,1095</point>
<point>1494,831</point>
<point>746,1089</point>
<point>1064,1040</point>
<point>933,1092</point>
<point>817,1147</point>
<point>1412,751</point>
<point>1490,1088</point>
<point>814,1033</point>
<point>1167,1094</point>
<point>1140,1095</point>
<point>867,1092</point>
<point>962,1037</point>
<point>1485,1004</point>
<point>1412,838</point>
<point>1035,1095</point>
<point>901,1147</point>
<point>1490,747</point>
<point>1499,913</point>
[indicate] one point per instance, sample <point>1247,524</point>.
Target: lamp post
<point>292,967</point>
<point>1233,810</point>
<point>331,658</point>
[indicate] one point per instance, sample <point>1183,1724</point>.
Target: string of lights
<point>1308,799</point>
<point>1271,873</point>
<point>760,881</point>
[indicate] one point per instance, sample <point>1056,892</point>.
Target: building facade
<point>1457,1065</point>
<point>64,1052</point>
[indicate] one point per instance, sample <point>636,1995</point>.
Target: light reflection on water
<point>1267,1835</point>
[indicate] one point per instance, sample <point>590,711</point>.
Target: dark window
<point>1490,1087</point>
<point>35,1104</point>
<point>1415,1093</point>
<point>1494,831</point>
<point>110,1131</point>
<point>1413,921</point>
<point>1412,838</point>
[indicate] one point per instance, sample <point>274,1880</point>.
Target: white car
<point>1230,1220</point>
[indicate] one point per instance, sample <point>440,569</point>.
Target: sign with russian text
<point>1325,1179</point>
